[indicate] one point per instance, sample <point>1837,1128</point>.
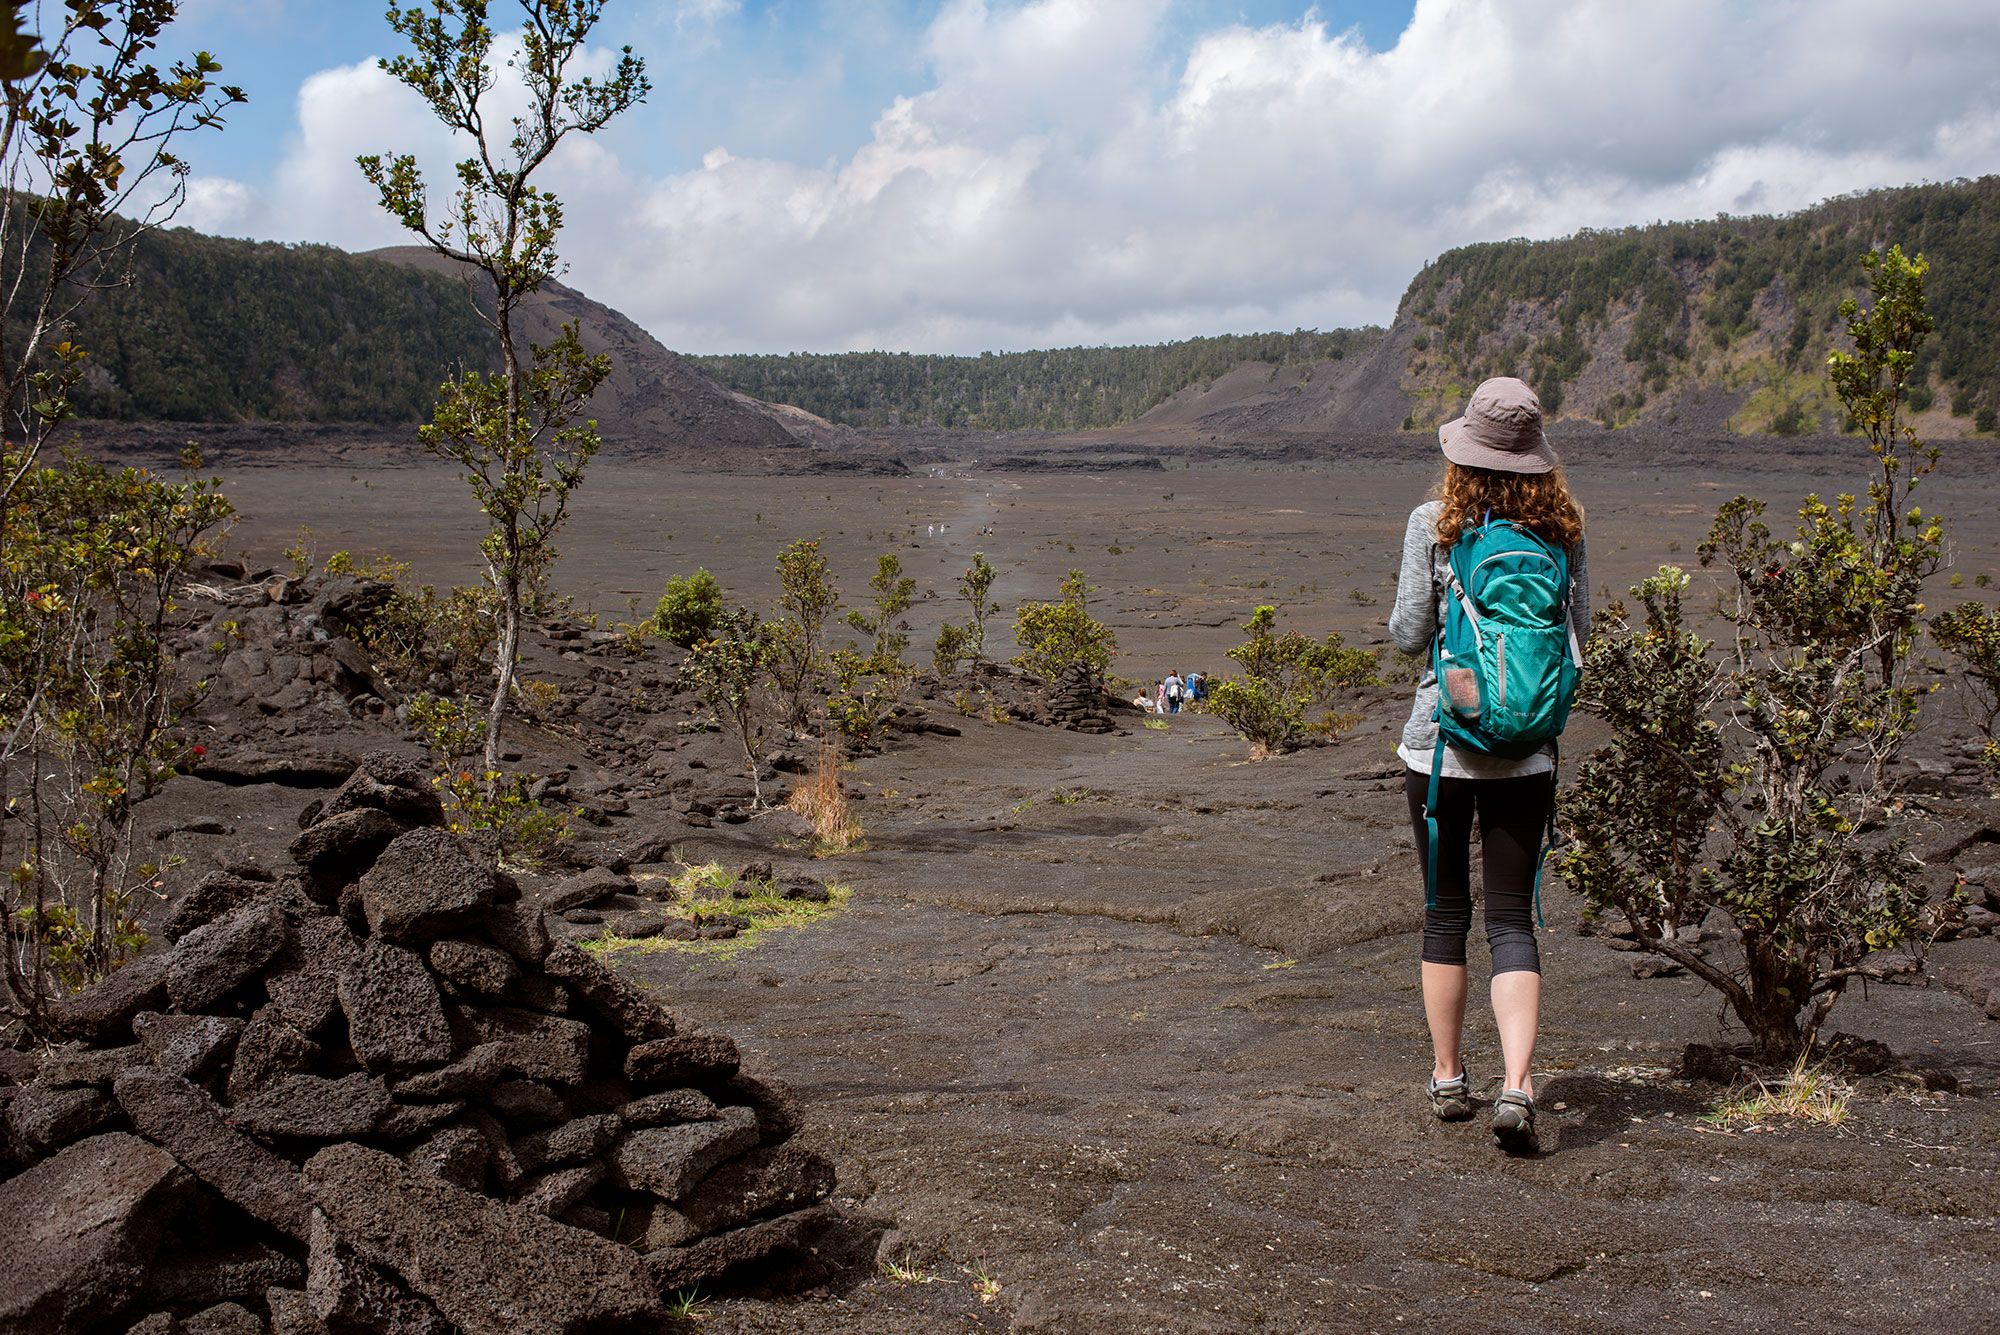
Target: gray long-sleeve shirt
<point>1413,624</point>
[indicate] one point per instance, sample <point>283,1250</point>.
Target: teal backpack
<point>1506,658</point>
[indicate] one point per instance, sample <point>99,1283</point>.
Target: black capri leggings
<point>1512,815</point>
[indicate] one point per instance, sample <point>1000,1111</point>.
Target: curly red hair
<point>1540,502</point>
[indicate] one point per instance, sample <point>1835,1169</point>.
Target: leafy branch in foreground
<point>1758,783</point>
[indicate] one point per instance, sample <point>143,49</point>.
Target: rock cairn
<point>1077,702</point>
<point>375,1096</point>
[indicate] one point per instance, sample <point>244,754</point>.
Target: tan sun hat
<point>1501,430</point>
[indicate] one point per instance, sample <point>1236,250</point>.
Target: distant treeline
<point>1057,390</point>
<point>214,330</point>
<point>1706,284</point>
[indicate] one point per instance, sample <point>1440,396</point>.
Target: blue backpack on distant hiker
<point>1506,659</point>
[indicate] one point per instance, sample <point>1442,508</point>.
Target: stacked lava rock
<point>1077,702</point>
<point>374,1096</point>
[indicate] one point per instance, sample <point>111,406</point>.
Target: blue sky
<point>969,174</point>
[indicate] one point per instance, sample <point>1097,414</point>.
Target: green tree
<point>890,594</point>
<point>1284,678</point>
<point>975,586</point>
<point>690,609</point>
<point>1757,784</point>
<point>1061,638</point>
<point>520,436</point>
<point>726,668</point>
<point>807,600</point>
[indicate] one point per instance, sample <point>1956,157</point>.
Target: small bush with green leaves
<point>688,611</point>
<point>1758,784</point>
<point>1972,632</point>
<point>1061,638</point>
<point>483,799</point>
<point>1284,679</point>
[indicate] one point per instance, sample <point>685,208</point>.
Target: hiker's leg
<point>1513,813</point>
<point>1447,925</point>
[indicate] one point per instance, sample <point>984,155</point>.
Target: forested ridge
<point>1734,301</point>
<point>1059,389</point>
<point>216,330</point>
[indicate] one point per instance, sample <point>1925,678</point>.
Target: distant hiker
<point>1160,697</point>
<point>1174,687</point>
<point>1493,587</point>
<point>1194,685</point>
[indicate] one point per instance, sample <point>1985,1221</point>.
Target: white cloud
<point>1069,175</point>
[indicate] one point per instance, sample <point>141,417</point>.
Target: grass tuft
<point>707,890</point>
<point>1805,1093</point>
<point>822,800</point>
<point>906,1271</point>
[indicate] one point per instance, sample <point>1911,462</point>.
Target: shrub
<point>797,661</point>
<point>726,668</point>
<point>689,610</point>
<point>1972,632</point>
<point>954,646</point>
<point>976,587</point>
<point>1757,784</point>
<point>1061,637</point>
<point>1284,678</point>
<point>489,800</point>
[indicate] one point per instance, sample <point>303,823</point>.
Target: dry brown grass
<point>822,800</point>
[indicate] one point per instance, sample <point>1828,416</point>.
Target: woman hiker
<point>1498,464</point>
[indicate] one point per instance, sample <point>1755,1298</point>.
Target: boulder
<point>488,1268</point>
<point>395,1018</point>
<point>423,886</point>
<point>685,1059</point>
<point>217,958</point>
<point>81,1230</point>
<point>102,1012</point>
<point>519,929</point>
<point>667,1161</point>
<point>570,1143</point>
<point>349,1294</point>
<point>395,787</point>
<point>634,1014</point>
<point>41,1119</point>
<point>710,1261</point>
<point>213,896</point>
<point>270,1048</point>
<point>472,966</point>
<point>191,1126</point>
<point>336,849</point>
<point>196,1047</point>
<point>312,1107</point>
<point>766,1181</point>
<point>304,984</point>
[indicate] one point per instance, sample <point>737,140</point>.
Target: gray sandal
<point>1514,1123</point>
<point>1451,1099</point>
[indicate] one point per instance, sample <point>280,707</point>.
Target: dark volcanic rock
<point>102,1013</point>
<point>270,1047</point>
<point>81,1228</point>
<point>304,985</point>
<point>488,1268</point>
<point>586,888</point>
<point>73,1064</point>
<point>217,958</point>
<point>538,1047</point>
<point>571,1143</point>
<point>395,1018</point>
<point>554,1194</point>
<point>519,930</point>
<point>190,1125</point>
<point>311,1107</point>
<point>347,1293</point>
<point>41,1118</point>
<point>523,1103</point>
<point>423,886</point>
<point>678,1269</point>
<point>211,897</point>
<point>457,1154</point>
<point>769,1180</point>
<point>196,1267</point>
<point>667,1161</point>
<point>338,848</point>
<point>392,786</point>
<point>196,1047</point>
<point>685,1059</point>
<point>474,967</point>
<point>634,1014</point>
<point>222,1319</point>
<point>670,1108</point>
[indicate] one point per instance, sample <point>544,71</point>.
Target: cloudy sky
<point>971,174</point>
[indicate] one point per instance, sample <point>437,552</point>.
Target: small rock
<point>586,889</point>
<point>214,895</point>
<point>71,1065</point>
<point>518,929</point>
<point>554,1193</point>
<point>347,1293</point>
<point>457,1154</point>
<point>423,886</point>
<point>669,1108</point>
<point>304,984</point>
<point>222,1319</point>
<point>633,1013</point>
<point>474,967</point>
<point>44,1119</point>
<point>340,848</point>
<point>269,1048</point>
<point>102,1013</point>
<point>571,1143</point>
<point>312,1107</point>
